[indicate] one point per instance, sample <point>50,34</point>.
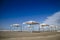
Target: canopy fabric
<point>15,25</point>
<point>31,22</point>
<point>44,25</point>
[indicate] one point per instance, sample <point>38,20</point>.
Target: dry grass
<point>29,36</point>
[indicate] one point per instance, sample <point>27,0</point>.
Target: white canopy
<point>15,25</point>
<point>31,22</point>
<point>44,25</point>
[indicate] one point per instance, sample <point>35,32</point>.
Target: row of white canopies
<point>34,23</point>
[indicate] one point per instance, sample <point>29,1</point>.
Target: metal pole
<point>21,28</point>
<point>43,29</point>
<point>39,27</point>
<point>31,29</point>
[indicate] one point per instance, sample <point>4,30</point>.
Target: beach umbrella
<point>43,25</point>
<point>31,23</point>
<point>15,25</point>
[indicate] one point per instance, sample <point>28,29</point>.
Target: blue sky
<point>19,11</point>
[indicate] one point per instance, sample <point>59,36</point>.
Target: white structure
<point>15,25</point>
<point>53,28</point>
<point>43,25</point>
<point>31,23</point>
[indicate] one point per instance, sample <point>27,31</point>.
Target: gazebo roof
<point>31,22</point>
<point>53,26</point>
<point>44,24</point>
<point>15,25</point>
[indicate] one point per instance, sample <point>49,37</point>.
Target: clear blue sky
<point>19,11</point>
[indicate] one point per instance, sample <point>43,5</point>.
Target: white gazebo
<point>43,25</point>
<point>15,25</point>
<point>31,23</point>
<point>53,27</point>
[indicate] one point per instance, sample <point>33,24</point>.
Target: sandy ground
<point>29,36</point>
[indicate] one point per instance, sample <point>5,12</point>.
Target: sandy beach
<point>7,35</point>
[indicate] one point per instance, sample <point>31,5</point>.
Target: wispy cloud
<point>53,19</point>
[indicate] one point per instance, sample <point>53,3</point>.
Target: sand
<point>7,35</point>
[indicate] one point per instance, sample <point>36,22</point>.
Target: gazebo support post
<point>39,27</point>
